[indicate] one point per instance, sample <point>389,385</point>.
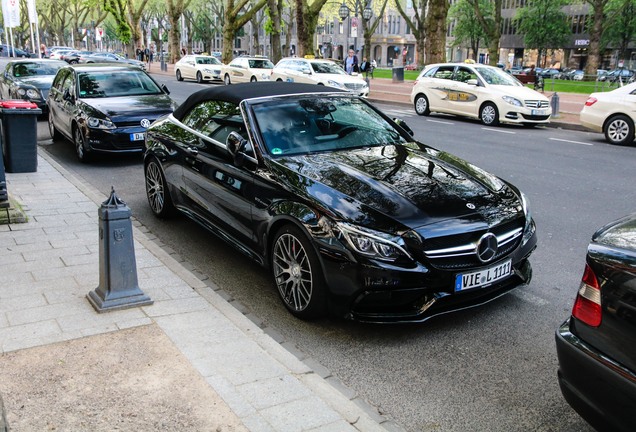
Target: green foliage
<point>543,24</point>
<point>118,10</point>
<point>468,29</point>
<point>619,24</point>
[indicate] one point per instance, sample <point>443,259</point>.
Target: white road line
<point>439,121</point>
<point>500,131</point>
<point>572,142</point>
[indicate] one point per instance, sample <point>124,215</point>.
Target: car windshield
<point>327,68</point>
<point>495,76</point>
<point>104,84</point>
<point>207,60</point>
<point>261,64</point>
<point>309,124</point>
<point>33,69</point>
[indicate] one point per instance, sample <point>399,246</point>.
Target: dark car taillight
<point>587,307</point>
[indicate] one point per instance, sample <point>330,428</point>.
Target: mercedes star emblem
<point>487,247</point>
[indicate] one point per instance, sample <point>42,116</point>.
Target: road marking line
<point>439,121</point>
<point>500,131</point>
<point>572,142</point>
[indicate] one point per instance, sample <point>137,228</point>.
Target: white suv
<point>478,91</point>
<point>321,72</point>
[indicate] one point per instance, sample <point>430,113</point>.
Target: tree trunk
<point>594,53</point>
<point>436,29</point>
<point>275,8</point>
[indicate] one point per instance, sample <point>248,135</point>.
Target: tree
<point>368,29</point>
<point>175,10</point>
<point>118,9</point>
<point>306,21</point>
<point>236,15</point>
<point>467,27</point>
<point>273,27</point>
<point>620,25</point>
<point>596,34</point>
<point>490,20</point>
<point>543,25</point>
<point>418,27</point>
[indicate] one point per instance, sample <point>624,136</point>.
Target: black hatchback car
<point>596,346</point>
<point>351,215</point>
<point>105,108</point>
<point>29,79</point>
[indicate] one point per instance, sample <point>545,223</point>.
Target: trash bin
<point>398,74</point>
<point>19,135</point>
<point>4,195</point>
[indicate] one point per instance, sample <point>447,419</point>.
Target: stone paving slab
<point>50,264</point>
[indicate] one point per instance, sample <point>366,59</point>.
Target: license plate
<point>483,277</point>
<point>539,112</point>
<point>137,136</point>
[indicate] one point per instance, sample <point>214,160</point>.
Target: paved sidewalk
<point>385,90</point>
<point>50,264</point>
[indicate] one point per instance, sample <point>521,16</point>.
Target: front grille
<point>458,251</point>
<point>537,104</point>
<point>353,86</point>
<point>535,117</point>
<point>134,123</point>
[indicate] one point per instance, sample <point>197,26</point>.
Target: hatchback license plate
<point>137,136</point>
<point>483,277</point>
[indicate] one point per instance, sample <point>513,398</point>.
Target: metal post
<point>118,287</point>
<point>554,103</point>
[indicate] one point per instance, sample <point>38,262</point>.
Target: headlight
<point>33,94</point>
<point>371,243</point>
<point>208,71</point>
<point>512,101</point>
<point>100,123</point>
<point>334,84</point>
<point>530,227</point>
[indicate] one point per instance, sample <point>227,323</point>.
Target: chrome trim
<point>469,249</point>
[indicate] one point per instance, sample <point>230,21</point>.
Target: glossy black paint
<point>33,87</point>
<point>425,198</point>
<point>70,111</point>
<point>597,365</point>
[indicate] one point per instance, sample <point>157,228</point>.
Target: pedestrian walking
<point>351,63</point>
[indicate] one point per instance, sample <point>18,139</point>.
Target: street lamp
<point>367,13</point>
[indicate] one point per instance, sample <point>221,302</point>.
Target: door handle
<point>193,151</point>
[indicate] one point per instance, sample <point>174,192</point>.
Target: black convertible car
<point>351,214</point>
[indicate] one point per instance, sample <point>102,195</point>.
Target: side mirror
<point>401,123</point>
<point>472,82</point>
<point>165,89</point>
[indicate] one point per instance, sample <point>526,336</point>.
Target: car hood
<point>127,108</point>
<point>520,92</point>
<point>401,187</point>
<point>42,82</point>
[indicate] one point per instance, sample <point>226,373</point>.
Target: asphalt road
<point>487,369</point>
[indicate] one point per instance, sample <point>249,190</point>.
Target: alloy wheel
<point>619,131</point>
<point>489,115</point>
<point>156,191</point>
<point>292,272</point>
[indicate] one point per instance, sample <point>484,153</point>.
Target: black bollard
<point>118,287</point>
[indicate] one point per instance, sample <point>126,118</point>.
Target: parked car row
<point>231,148</point>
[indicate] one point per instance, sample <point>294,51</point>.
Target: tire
<point>80,147</point>
<point>279,80</point>
<point>157,190</point>
<point>73,62</point>
<point>253,79</point>
<point>199,78</point>
<point>55,134</point>
<point>179,77</point>
<point>297,273</point>
<point>619,130</point>
<point>226,80</point>
<point>489,115</point>
<point>421,105</point>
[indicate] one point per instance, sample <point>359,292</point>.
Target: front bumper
<point>526,116</point>
<point>373,291</point>
<point>602,391</point>
<point>115,140</point>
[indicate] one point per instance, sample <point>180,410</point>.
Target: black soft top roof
<point>239,92</point>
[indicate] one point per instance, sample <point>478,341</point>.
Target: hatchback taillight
<point>587,306</point>
<point>590,101</point>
